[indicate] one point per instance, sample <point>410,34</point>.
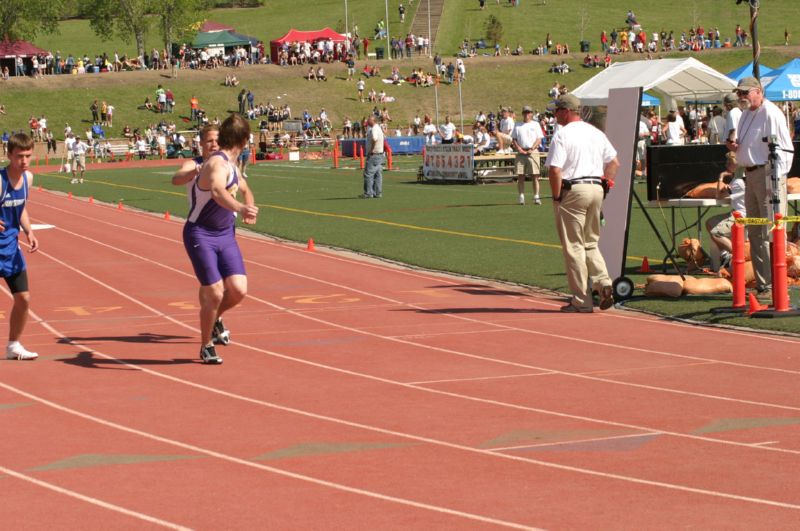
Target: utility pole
<point>754,6</point>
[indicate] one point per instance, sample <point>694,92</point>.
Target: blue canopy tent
<point>747,71</point>
<point>783,84</point>
<point>648,100</point>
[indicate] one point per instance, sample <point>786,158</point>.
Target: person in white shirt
<point>429,130</point>
<point>526,139</point>
<point>483,140</point>
<point>761,120</point>
<point>79,149</point>
<point>448,131</point>
<point>68,142</point>
<point>580,158</point>
<point>373,168</point>
<point>673,129</point>
<point>719,227</point>
<point>505,129</point>
<point>732,115</point>
<point>716,126</point>
<point>110,115</point>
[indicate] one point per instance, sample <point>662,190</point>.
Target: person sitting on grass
<point>311,74</point>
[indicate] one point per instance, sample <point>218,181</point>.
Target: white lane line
<point>424,346</point>
<point>251,464</point>
<point>418,438</point>
<point>89,499</point>
<point>480,378</point>
<point>393,382</point>
<point>453,316</point>
<point>765,443</point>
<point>579,441</point>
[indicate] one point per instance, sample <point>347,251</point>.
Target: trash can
<point>378,53</point>
<point>584,46</point>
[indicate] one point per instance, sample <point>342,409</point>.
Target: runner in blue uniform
<point>209,234</point>
<point>15,181</point>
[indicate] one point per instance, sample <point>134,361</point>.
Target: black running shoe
<point>209,355</point>
<point>220,335</point>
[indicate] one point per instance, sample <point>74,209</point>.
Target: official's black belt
<point>586,180</point>
<point>753,168</point>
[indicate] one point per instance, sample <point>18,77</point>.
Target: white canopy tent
<point>686,80</point>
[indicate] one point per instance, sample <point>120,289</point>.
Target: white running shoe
<point>521,199</point>
<point>537,200</point>
<point>18,352</point>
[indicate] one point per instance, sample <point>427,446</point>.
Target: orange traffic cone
<point>166,215</point>
<point>119,205</point>
<point>91,200</point>
<point>310,246</point>
<point>69,195</point>
<point>754,305</point>
<point>40,188</point>
<point>645,266</point>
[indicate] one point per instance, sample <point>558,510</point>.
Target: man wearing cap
<point>761,122</point>
<point>580,157</point>
<point>526,139</point>
<point>732,115</point>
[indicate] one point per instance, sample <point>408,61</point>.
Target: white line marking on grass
<point>88,499</point>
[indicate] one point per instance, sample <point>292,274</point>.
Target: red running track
<point>358,394</point>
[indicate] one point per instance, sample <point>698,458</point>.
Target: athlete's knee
<point>212,295</point>
<point>236,287</point>
<point>22,299</point>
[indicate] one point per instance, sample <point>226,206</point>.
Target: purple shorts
<point>215,255</point>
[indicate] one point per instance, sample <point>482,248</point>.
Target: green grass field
<point>527,24</point>
<point>476,230</point>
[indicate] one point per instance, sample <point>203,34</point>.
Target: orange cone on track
<point>91,200</point>
<point>645,266</point>
<point>119,205</point>
<point>40,188</point>
<point>69,195</point>
<point>755,306</point>
<point>166,215</point>
<point>310,246</point>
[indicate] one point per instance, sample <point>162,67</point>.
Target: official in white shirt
<point>373,169</point>
<point>526,139</point>
<point>580,158</point>
<point>761,122</point>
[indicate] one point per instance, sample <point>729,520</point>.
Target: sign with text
<point>449,162</point>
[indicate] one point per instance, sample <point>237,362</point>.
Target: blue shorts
<point>12,261</point>
<point>214,255</point>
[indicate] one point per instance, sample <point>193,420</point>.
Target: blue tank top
<point>206,212</point>
<point>12,203</point>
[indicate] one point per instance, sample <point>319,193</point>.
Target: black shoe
<point>220,335</point>
<point>209,355</point>
<point>571,308</point>
<point>606,298</point>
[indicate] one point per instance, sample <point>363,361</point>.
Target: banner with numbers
<point>449,162</point>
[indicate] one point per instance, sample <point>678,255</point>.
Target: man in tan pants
<point>580,157</point>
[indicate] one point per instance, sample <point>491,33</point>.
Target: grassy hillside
<point>527,24</point>
<point>266,23</point>
<point>490,82</point>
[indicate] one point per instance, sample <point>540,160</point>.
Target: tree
<point>494,29</point>
<point>24,19</point>
<point>180,19</point>
<point>124,18</point>
<point>583,21</point>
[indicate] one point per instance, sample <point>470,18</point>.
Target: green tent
<point>216,39</point>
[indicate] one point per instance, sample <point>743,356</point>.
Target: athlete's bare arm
<point>187,172</point>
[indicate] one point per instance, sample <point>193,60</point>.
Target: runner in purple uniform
<point>209,233</point>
